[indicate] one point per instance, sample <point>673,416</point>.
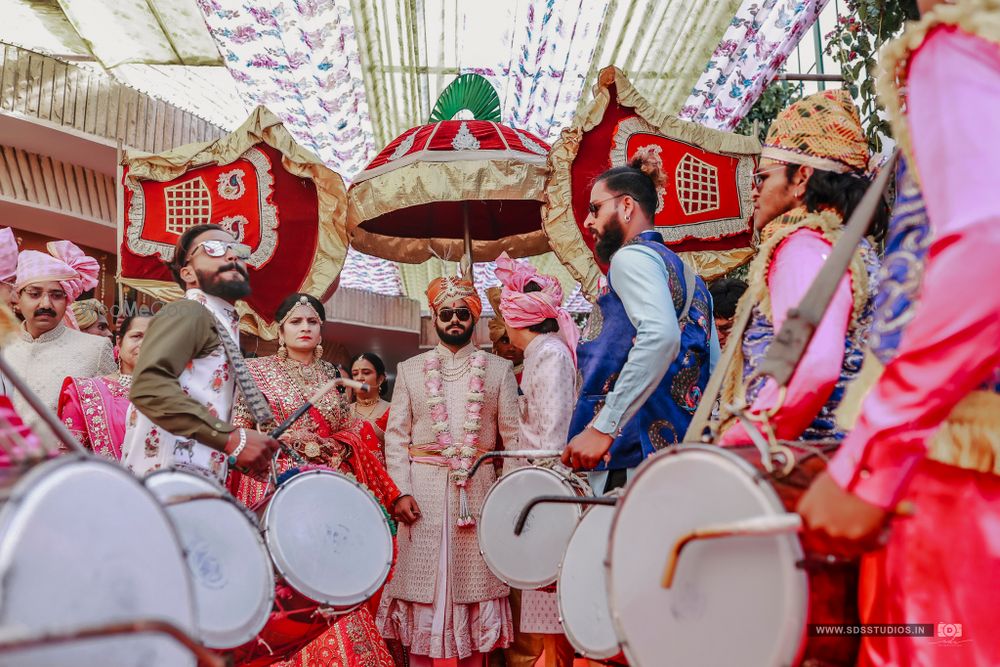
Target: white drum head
<point>582,590</point>
<point>82,543</point>
<point>735,600</point>
<point>529,560</point>
<point>328,538</point>
<point>230,567</point>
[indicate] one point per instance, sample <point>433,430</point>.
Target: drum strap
<point>256,402</point>
<point>690,281</point>
<point>788,346</point>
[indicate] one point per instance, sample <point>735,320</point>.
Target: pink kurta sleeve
<point>796,262</point>
<point>954,121</point>
<point>950,346</point>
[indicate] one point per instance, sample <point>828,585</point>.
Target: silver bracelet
<point>239,448</point>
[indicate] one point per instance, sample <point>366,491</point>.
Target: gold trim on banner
<point>976,17</point>
<point>425,183</point>
<point>558,220</point>
<point>712,264</point>
<point>415,251</point>
<point>261,127</point>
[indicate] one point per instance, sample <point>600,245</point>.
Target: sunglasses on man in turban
<point>463,314</point>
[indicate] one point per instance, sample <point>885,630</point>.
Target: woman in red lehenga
<point>327,435</point>
<point>370,406</point>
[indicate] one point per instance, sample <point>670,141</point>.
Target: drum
<point>582,591</point>
<point>83,543</point>
<point>529,560</point>
<point>230,567</point>
<point>329,538</point>
<point>736,599</point>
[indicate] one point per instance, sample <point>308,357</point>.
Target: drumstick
<point>302,409</point>
<point>758,525</point>
<point>515,454</point>
<point>572,500</point>
<point>23,640</point>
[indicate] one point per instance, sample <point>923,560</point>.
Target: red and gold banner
<point>704,209</point>
<point>271,193</point>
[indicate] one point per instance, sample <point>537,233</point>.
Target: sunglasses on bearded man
<point>463,314</point>
<point>217,248</point>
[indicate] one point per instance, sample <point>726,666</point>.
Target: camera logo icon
<point>949,630</point>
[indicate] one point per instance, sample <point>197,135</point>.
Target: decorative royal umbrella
<point>453,189</point>
<point>272,194</point>
<point>705,207</point>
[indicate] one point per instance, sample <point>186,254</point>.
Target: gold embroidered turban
<point>449,288</point>
<point>498,328</point>
<point>87,311</point>
<point>822,131</point>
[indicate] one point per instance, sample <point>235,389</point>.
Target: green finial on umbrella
<point>469,92</point>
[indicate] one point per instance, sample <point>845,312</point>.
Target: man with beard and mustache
<point>184,382</point>
<point>646,353</point>
<point>449,405</point>
<point>47,349</point>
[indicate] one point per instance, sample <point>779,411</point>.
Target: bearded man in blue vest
<point>648,348</point>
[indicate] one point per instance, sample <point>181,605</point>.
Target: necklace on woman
<point>124,380</point>
<point>305,371</point>
<point>372,407</point>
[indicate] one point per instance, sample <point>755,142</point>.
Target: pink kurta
<point>549,386</point>
<point>942,565</point>
<point>93,410</point>
<point>794,266</point>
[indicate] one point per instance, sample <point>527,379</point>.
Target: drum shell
<point>596,585</point>
<point>269,525</point>
<point>108,517</point>
<point>502,550</point>
<point>833,584</point>
<point>292,625</point>
<point>175,485</point>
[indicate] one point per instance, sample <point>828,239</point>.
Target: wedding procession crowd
<point>897,390</point>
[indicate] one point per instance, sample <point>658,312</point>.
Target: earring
<point>628,218</point>
<point>282,350</point>
<point>318,352</point>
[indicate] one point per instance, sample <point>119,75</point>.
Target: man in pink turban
<point>48,350</point>
<point>531,304</point>
<point>8,265</point>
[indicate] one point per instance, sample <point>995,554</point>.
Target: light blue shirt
<point>639,278</point>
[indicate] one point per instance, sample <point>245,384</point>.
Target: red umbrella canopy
<point>705,207</point>
<point>410,203</point>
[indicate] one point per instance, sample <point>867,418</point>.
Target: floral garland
<point>461,456</point>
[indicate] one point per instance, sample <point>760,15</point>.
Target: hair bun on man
<point>647,160</point>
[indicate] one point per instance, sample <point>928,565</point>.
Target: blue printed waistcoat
<point>902,270</point>
<point>760,332</point>
<point>603,350</point>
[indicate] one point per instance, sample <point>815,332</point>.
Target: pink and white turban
<point>521,310</point>
<point>8,255</point>
<point>66,264</point>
